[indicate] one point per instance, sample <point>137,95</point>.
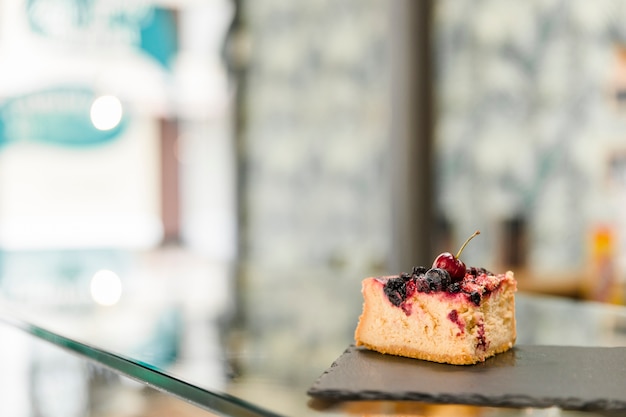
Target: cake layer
<point>459,328</point>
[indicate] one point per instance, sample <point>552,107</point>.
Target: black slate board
<point>572,378</point>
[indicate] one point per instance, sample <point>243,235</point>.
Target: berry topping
<point>438,279</point>
<point>475,297</point>
<point>419,270</point>
<point>395,290</point>
<point>405,276</point>
<point>411,287</point>
<point>422,284</point>
<point>454,288</point>
<point>477,271</point>
<point>451,263</point>
<point>475,284</point>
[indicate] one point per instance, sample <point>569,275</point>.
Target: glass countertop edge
<point>216,402</point>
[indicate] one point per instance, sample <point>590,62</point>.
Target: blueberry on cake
<point>447,313</point>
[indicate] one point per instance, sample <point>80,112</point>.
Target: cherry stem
<point>476,233</point>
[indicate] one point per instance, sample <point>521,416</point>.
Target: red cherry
<point>455,267</point>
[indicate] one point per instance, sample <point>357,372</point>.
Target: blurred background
<point>212,179</point>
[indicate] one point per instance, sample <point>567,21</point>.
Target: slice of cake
<point>448,313</point>
<point>430,315</point>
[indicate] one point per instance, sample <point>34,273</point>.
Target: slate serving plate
<point>572,378</point>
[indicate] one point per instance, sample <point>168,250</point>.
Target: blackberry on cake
<point>448,313</point>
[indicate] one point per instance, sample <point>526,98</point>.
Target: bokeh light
<point>106,112</point>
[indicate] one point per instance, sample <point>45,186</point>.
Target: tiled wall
<point>528,120</point>
<point>314,176</point>
<point>315,137</point>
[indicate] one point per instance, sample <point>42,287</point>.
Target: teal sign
<point>158,36</point>
<point>59,116</point>
<point>147,28</point>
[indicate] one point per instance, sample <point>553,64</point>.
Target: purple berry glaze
<point>477,283</point>
<point>482,344</point>
<point>453,316</point>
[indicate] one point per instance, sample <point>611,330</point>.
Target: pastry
<point>447,313</point>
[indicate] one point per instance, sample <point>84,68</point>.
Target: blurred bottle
<point>602,283</point>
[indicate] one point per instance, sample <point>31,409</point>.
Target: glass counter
<point>171,331</point>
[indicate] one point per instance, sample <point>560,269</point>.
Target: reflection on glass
<point>106,287</point>
<point>39,379</point>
